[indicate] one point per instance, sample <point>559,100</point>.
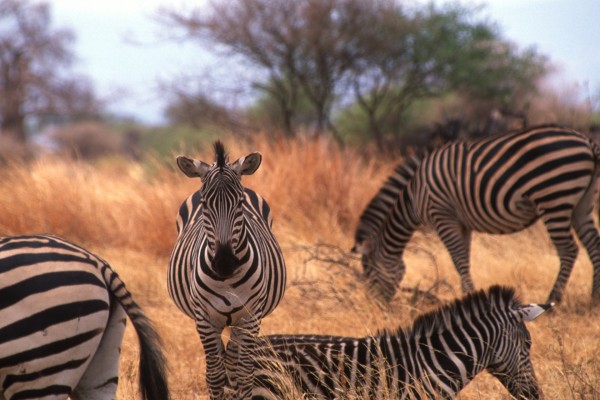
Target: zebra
<point>226,268</point>
<point>62,319</point>
<point>500,184</point>
<point>435,358</point>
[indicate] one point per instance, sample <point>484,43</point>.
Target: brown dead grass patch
<point>126,214</point>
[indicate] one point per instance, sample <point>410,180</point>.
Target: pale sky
<point>567,31</point>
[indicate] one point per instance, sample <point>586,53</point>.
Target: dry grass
<point>127,215</point>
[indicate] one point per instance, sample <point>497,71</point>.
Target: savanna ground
<point>125,212</point>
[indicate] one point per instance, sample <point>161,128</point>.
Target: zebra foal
<point>435,358</point>
<point>495,185</point>
<point>226,268</point>
<point>62,319</point>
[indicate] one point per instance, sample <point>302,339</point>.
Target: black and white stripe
<point>62,319</point>
<point>435,358</point>
<point>226,269</point>
<point>496,185</point>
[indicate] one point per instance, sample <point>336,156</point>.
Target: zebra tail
<point>153,384</point>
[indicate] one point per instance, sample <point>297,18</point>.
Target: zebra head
<point>222,200</point>
<point>381,275</point>
<point>511,359</point>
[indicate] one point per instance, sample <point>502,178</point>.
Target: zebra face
<point>512,359</point>
<point>382,278</point>
<point>222,204</point>
<point>222,212</point>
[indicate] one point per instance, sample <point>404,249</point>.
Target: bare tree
<point>32,58</point>
<point>193,105</point>
<point>304,47</point>
<point>377,55</point>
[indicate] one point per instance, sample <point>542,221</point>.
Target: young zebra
<point>435,358</point>
<point>62,319</point>
<point>226,268</point>
<point>500,184</point>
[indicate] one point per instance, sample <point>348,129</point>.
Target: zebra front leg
<point>216,377</point>
<point>457,240</point>
<point>245,336</point>
<point>231,360</point>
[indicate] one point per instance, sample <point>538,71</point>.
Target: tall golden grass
<point>125,213</point>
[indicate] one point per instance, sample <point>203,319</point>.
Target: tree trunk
<point>13,122</point>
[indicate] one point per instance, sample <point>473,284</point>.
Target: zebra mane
<point>480,302</point>
<point>376,211</point>
<point>220,154</point>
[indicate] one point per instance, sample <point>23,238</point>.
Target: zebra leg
<point>558,223</point>
<point>245,334</point>
<point>586,231</point>
<point>457,240</point>
<point>216,376</point>
<point>100,379</point>
<point>231,360</point>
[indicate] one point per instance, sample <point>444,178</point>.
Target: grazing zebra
<point>62,319</point>
<point>435,358</point>
<point>500,184</point>
<point>226,268</point>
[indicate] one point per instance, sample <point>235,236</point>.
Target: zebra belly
<point>518,217</point>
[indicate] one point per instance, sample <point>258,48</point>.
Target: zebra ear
<point>530,312</point>
<point>247,165</point>
<point>192,168</point>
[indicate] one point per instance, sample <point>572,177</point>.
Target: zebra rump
<point>62,318</point>
<point>435,358</point>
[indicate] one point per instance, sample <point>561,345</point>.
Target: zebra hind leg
<point>457,240</point>
<point>589,237</point>
<point>558,223</point>
<point>99,382</point>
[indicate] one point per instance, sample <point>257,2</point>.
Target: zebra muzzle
<point>225,262</point>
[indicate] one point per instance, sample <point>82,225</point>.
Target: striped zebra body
<point>435,358</point>
<point>495,185</point>
<point>62,319</point>
<point>226,268</point>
